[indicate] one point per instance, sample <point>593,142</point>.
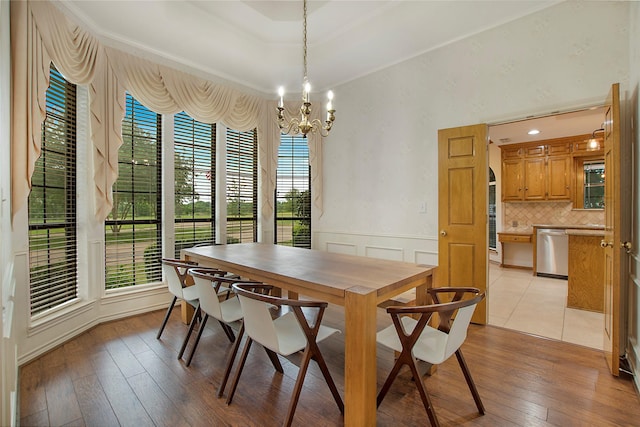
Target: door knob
<point>626,246</point>
<point>443,233</point>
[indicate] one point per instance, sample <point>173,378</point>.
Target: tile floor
<point>537,305</point>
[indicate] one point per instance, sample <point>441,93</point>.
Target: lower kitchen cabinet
<point>517,249</point>
<point>586,270</point>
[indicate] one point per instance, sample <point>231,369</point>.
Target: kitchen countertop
<point>530,230</point>
<point>517,232</point>
<point>571,226</point>
<point>585,232</point>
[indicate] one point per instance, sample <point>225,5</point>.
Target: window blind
<point>52,203</point>
<point>133,228</point>
<point>293,193</point>
<point>242,186</point>
<point>195,179</point>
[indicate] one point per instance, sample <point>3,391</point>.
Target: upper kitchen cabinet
<point>544,170</point>
<point>523,172</point>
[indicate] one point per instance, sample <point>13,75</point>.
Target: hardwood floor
<point>119,374</point>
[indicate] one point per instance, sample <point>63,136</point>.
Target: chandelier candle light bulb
<point>304,124</point>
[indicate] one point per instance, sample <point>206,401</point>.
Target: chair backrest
<point>462,306</point>
<point>208,282</point>
<point>460,309</point>
<point>207,289</point>
<point>258,323</point>
<point>459,327</point>
<point>175,273</point>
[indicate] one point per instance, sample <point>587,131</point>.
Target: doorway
<point>516,295</point>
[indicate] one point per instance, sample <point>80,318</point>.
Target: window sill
<point>113,296</point>
<point>58,315</point>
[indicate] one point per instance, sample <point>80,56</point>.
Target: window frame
<point>66,104</point>
<point>238,158</point>
<point>151,258</point>
<point>193,140</point>
<point>293,141</point>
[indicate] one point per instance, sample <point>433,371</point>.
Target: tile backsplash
<point>521,215</point>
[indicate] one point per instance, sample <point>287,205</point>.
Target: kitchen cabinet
<point>533,172</point>
<point>516,249</point>
<point>586,270</point>
<point>559,174</point>
<point>535,181</point>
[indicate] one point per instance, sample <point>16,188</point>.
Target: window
<point>133,228</point>
<point>195,179</point>
<point>589,179</point>
<point>593,184</point>
<point>492,209</point>
<point>242,186</point>
<point>293,193</point>
<point>52,203</point>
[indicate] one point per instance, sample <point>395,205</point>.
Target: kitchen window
<point>593,188</point>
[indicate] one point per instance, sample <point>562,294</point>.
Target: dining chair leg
<point>470,383</point>
<point>230,360</point>
<point>195,344</point>
<point>424,395</point>
<point>166,316</point>
<point>192,324</point>
<point>327,377</point>
<point>227,330</point>
<point>236,378</point>
<point>274,360</point>
<point>295,396</point>
<point>389,381</point>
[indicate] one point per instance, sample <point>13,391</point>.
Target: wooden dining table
<point>358,283</point>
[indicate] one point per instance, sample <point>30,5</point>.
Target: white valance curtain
<point>41,34</point>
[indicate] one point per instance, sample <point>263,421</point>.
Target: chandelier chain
<point>305,124</point>
<point>304,36</point>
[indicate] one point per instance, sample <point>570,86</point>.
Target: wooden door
<point>611,242</point>
<point>463,177</point>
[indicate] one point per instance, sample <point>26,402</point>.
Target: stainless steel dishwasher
<point>552,253</point>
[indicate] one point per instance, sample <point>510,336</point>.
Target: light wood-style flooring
<point>119,374</point>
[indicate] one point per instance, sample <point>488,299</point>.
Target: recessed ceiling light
<point>533,132</point>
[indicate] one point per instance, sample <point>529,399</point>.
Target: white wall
<point>634,110</point>
<point>381,157</point>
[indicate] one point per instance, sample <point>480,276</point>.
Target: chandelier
<point>304,124</point>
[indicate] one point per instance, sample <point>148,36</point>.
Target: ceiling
<point>346,40</point>
<point>579,122</point>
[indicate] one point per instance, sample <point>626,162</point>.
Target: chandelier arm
<point>287,126</point>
